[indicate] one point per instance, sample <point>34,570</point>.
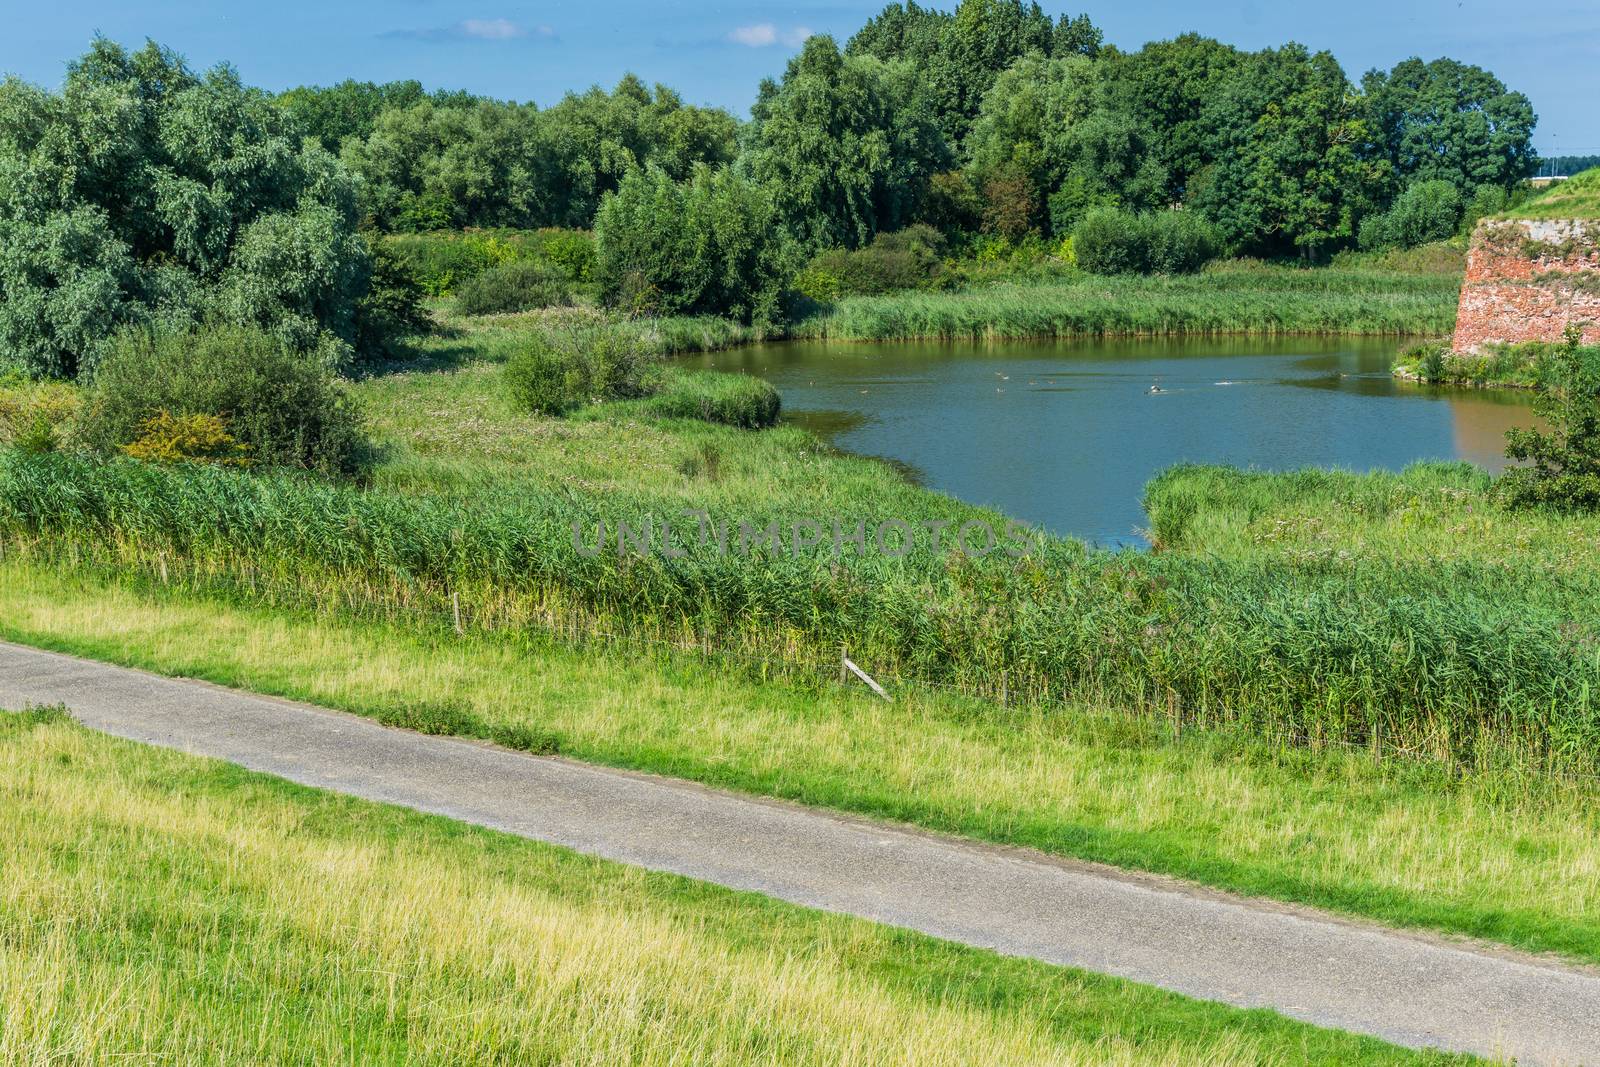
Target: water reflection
<point>1065,434</point>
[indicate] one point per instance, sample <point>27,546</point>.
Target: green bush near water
<point>1109,241</point>
<point>554,372</point>
<point>1470,657</point>
<point>287,409</point>
<point>516,286</point>
<point>741,400</point>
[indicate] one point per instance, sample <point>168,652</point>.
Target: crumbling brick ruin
<point>1526,279</point>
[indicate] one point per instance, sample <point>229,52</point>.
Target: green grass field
<point>1576,198</point>
<point>1413,844</point>
<point>155,907</point>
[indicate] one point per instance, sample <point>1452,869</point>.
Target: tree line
<point>142,192</point>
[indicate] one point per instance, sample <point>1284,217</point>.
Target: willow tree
<point>143,192</point>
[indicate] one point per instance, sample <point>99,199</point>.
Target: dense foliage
<point>284,409</point>
<point>521,285</point>
<point>1109,241</point>
<point>143,193</point>
<point>1561,459</point>
<point>844,144</point>
<point>911,258</point>
<point>553,372</point>
<point>448,162</point>
<point>711,244</point>
<point>443,260</point>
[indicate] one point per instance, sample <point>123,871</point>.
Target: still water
<point>1065,434</point>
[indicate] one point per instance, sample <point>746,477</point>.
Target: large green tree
<point>959,54</point>
<point>428,167</point>
<point>1450,121</point>
<point>707,245</point>
<point>143,192</point>
<point>1163,90</point>
<point>844,144</point>
<point>1287,171</point>
<point>1049,123</point>
<point>433,164</point>
<point>591,140</point>
<point>334,113</point>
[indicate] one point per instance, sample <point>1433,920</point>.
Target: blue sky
<point>1549,49</point>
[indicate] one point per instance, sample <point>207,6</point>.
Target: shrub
<point>168,438</point>
<point>707,246</point>
<point>1109,241</point>
<point>38,417</point>
<point>733,399</point>
<point>1426,211</point>
<point>392,307</point>
<point>1179,242</point>
<point>286,408</point>
<point>906,259</point>
<point>443,261</point>
<point>1487,200</point>
<point>1563,469</point>
<point>570,251</point>
<point>558,371</point>
<point>517,286</point>
<point>440,262</point>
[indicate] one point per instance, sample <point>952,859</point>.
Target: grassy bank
<point>1231,298</point>
<point>1414,844</point>
<point>1261,300</point>
<point>1477,660</point>
<point>1521,366</point>
<point>220,916</point>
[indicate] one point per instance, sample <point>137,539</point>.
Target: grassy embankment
<point>159,907</point>
<point>1409,843</point>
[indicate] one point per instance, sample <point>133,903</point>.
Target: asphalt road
<point>1411,989</point>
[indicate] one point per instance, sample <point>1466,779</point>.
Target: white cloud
<point>760,35</point>
<point>476,30</point>
<point>765,34</point>
<point>492,29</point>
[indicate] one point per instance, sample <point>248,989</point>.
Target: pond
<point>1065,434</point>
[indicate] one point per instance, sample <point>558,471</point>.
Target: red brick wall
<point>1526,280</point>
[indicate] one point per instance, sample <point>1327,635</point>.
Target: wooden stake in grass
<point>865,677</point>
<point>455,610</point>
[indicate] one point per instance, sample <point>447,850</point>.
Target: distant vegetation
<point>993,124</point>
<point>1576,198</point>
<point>1568,165</point>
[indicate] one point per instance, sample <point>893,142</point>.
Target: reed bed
<point>1260,301</point>
<point>1469,659</point>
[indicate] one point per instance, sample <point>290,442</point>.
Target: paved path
<point>1414,990</point>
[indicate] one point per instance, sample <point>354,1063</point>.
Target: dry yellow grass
<point>155,908</point>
